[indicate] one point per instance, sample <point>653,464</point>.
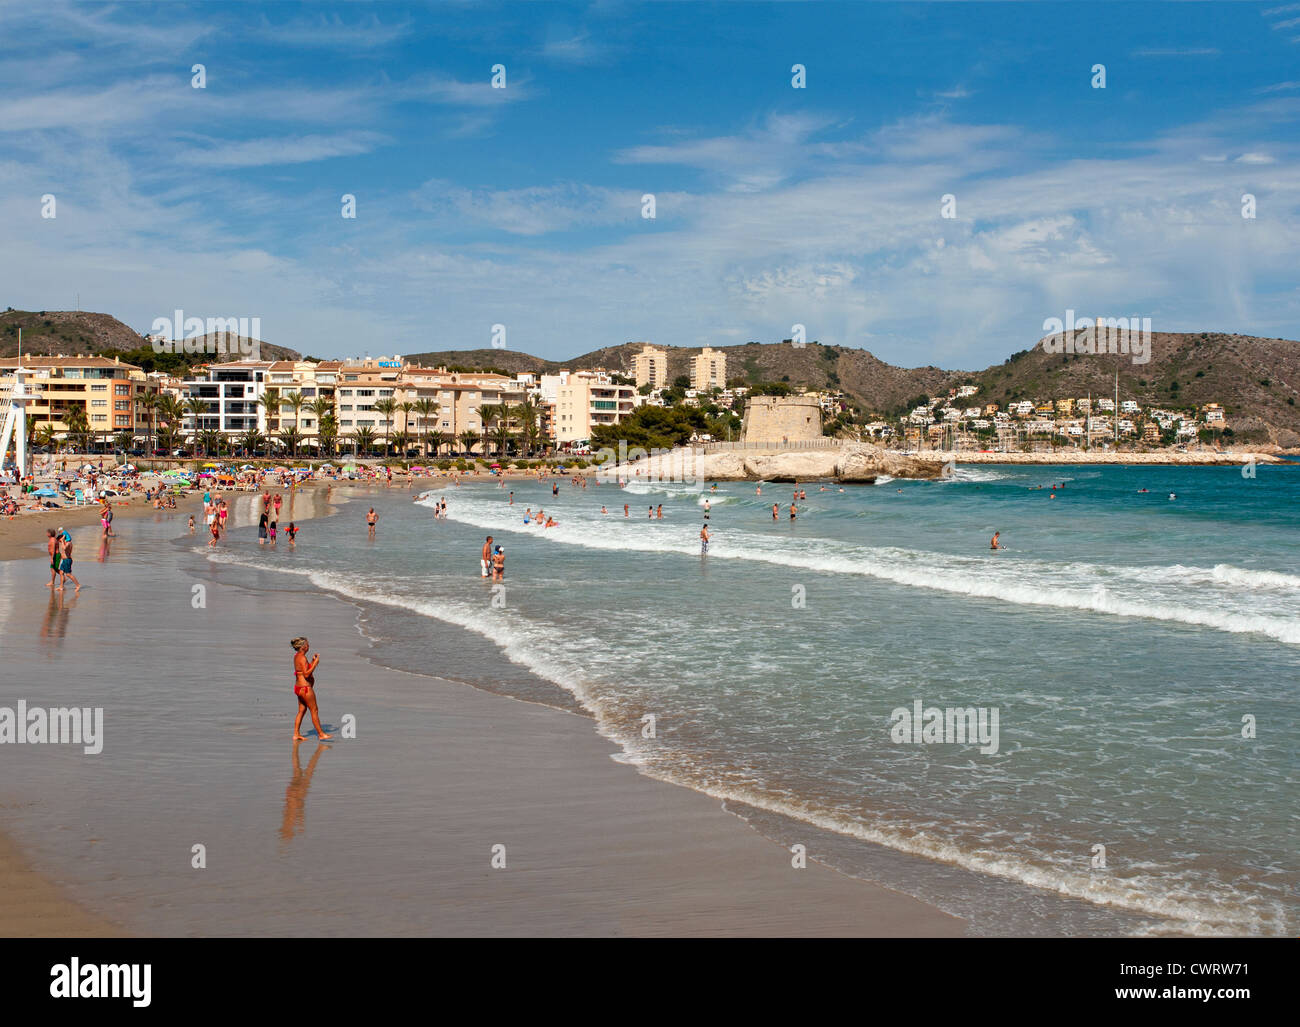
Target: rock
<point>798,465</point>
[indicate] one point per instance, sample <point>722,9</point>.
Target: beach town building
<point>709,370</point>
<point>650,367</point>
<point>1213,413</point>
<point>107,390</point>
<point>585,399</point>
<point>230,395</point>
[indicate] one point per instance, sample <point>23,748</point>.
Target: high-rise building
<point>709,370</point>
<point>650,367</point>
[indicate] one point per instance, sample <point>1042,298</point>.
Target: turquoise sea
<point>1141,652</point>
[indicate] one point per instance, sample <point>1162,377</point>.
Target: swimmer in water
<point>993,542</point>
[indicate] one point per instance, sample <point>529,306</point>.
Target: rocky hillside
<point>1256,379</point>
<point>80,332</point>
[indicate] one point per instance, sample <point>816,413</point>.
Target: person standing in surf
<point>304,687</point>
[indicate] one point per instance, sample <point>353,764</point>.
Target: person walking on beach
<point>707,508</point>
<point>52,544</point>
<point>704,541</point>
<point>262,524</point>
<point>371,519</point>
<point>291,533</point>
<point>65,564</point>
<point>485,559</point>
<point>191,524</point>
<point>304,687</point>
<point>108,520</point>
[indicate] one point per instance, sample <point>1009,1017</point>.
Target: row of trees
<point>505,428</point>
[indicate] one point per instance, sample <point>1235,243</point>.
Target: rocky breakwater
<point>861,463</point>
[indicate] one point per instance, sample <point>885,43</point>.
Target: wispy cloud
<point>325,31</point>
<point>1190,52</point>
<point>251,153</point>
<point>578,48</point>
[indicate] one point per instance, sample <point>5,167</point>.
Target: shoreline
<point>651,858</point>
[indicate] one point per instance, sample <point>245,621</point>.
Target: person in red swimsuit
<point>304,687</point>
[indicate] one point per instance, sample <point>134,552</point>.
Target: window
<point>99,388</point>
<point>121,404</point>
<point>123,390</point>
<point>365,392</point>
<point>99,417</point>
<point>99,402</point>
<point>345,406</point>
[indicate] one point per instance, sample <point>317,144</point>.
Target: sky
<point>775,206</point>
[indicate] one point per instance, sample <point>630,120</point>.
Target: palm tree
<point>78,425</point>
<point>295,402</point>
<point>122,441</point>
<point>270,402</point>
<point>44,435</point>
<point>529,413</point>
<point>172,411</point>
<point>502,435</point>
<point>437,439</point>
<point>385,408</point>
<point>252,441</point>
<point>427,410</point>
<point>212,441</point>
<point>196,408</point>
<point>490,415</point>
<point>322,407</point>
<point>406,407</point>
<point>149,401</point>
<point>363,439</point>
<point>327,430</point>
<point>467,440</point>
<point>289,438</point>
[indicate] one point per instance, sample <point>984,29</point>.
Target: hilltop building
<point>650,367</point>
<point>709,370</point>
<point>782,419</point>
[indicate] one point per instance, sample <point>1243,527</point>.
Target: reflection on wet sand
<point>295,794</point>
<point>55,625</point>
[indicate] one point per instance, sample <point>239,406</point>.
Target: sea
<point>1127,666</point>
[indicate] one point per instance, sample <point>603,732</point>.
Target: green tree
<point>385,408</point>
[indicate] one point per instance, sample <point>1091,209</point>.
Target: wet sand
<point>390,832</point>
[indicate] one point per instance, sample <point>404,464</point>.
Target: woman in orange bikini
<point>304,687</point>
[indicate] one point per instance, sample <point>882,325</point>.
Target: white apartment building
<point>230,394</point>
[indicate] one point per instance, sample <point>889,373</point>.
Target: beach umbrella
<point>211,465</point>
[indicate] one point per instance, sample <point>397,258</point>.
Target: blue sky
<point>775,206</point>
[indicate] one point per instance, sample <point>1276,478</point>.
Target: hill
<point>84,332</point>
<point>1257,380</point>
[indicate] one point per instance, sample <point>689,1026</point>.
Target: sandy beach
<point>391,831</point>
